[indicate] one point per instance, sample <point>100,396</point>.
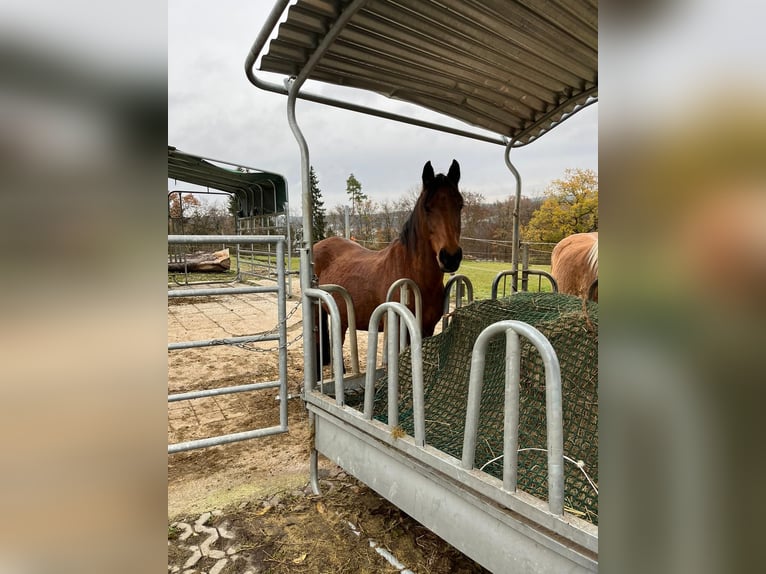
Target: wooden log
<point>200,262</point>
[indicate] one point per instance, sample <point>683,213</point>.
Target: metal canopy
<point>259,192</point>
<point>514,67</point>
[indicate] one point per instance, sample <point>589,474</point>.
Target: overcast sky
<point>214,111</point>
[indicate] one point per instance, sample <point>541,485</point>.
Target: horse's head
<point>441,204</point>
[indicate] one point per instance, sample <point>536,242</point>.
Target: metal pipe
<point>286,209</point>
<point>405,285</point>
<point>282,317</point>
<point>496,282</point>
<point>309,351</point>
<point>209,239</point>
<point>224,341</point>
<point>458,280</point>
<point>393,368</point>
<point>260,43</point>
<point>416,356</point>
<point>220,291</point>
<point>524,267</point>
<point>337,350</point>
<point>225,439</point>
<point>307,266</point>
<point>313,456</point>
<point>516,233</point>
<point>511,414</point>
<point>351,315</point>
<point>553,405</point>
<point>222,391</point>
<point>314,470</point>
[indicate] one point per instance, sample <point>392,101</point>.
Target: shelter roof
<point>514,67</point>
<point>260,192</point>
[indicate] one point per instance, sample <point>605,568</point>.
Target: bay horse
<point>427,247</point>
<point>574,265</point>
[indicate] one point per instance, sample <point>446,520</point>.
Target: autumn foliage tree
<point>570,206</point>
<point>187,215</point>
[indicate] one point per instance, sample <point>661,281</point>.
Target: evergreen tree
<point>354,191</point>
<point>357,196</point>
<point>318,225</point>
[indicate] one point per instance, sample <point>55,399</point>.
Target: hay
<point>572,329</point>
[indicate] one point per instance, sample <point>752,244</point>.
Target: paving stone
<point>225,532</point>
<point>211,539</point>
<point>194,558</point>
<point>217,512</point>
<point>202,520</point>
<point>205,529</point>
<point>216,554</point>
<point>220,565</point>
<point>187,530</point>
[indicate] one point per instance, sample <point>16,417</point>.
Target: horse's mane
<point>593,257</point>
<point>409,233</point>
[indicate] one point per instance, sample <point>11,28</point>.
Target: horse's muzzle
<point>450,262</point>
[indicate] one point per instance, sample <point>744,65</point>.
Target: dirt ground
<point>246,507</point>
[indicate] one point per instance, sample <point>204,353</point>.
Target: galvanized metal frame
<point>203,171</point>
<point>463,286</point>
<point>351,315</point>
<point>525,273</point>
<point>392,464</point>
<point>405,285</point>
<point>451,501</point>
<point>281,337</point>
<point>553,406</point>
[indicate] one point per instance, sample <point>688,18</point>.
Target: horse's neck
<point>419,265</point>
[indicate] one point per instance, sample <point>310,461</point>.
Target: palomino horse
<point>574,265</point>
<point>427,247</point>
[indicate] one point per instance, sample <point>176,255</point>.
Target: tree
<point>187,215</point>
<point>475,213</point>
<point>318,224</point>
<point>183,206</point>
<point>355,194</point>
<point>570,206</point>
<point>367,224</point>
<point>181,209</point>
<point>233,205</point>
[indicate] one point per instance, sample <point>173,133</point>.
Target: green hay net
<point>572,329</point>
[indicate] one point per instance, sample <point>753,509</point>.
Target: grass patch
<point>482,273</point>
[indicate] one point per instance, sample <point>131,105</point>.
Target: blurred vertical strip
<point>82,228</point>
<point>683,263</point>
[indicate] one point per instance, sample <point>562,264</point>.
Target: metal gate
<point>279,334</point>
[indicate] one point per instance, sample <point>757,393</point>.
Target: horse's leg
<point>322,344</point>
<point>324,351</point>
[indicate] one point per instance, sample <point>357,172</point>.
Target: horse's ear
<point>454,172</point>
<point>428,173</point>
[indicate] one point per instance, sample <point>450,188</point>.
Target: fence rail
<point>279,243</point>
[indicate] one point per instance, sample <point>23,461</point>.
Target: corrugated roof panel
<point>263,190</point>
<point>515,67</point>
